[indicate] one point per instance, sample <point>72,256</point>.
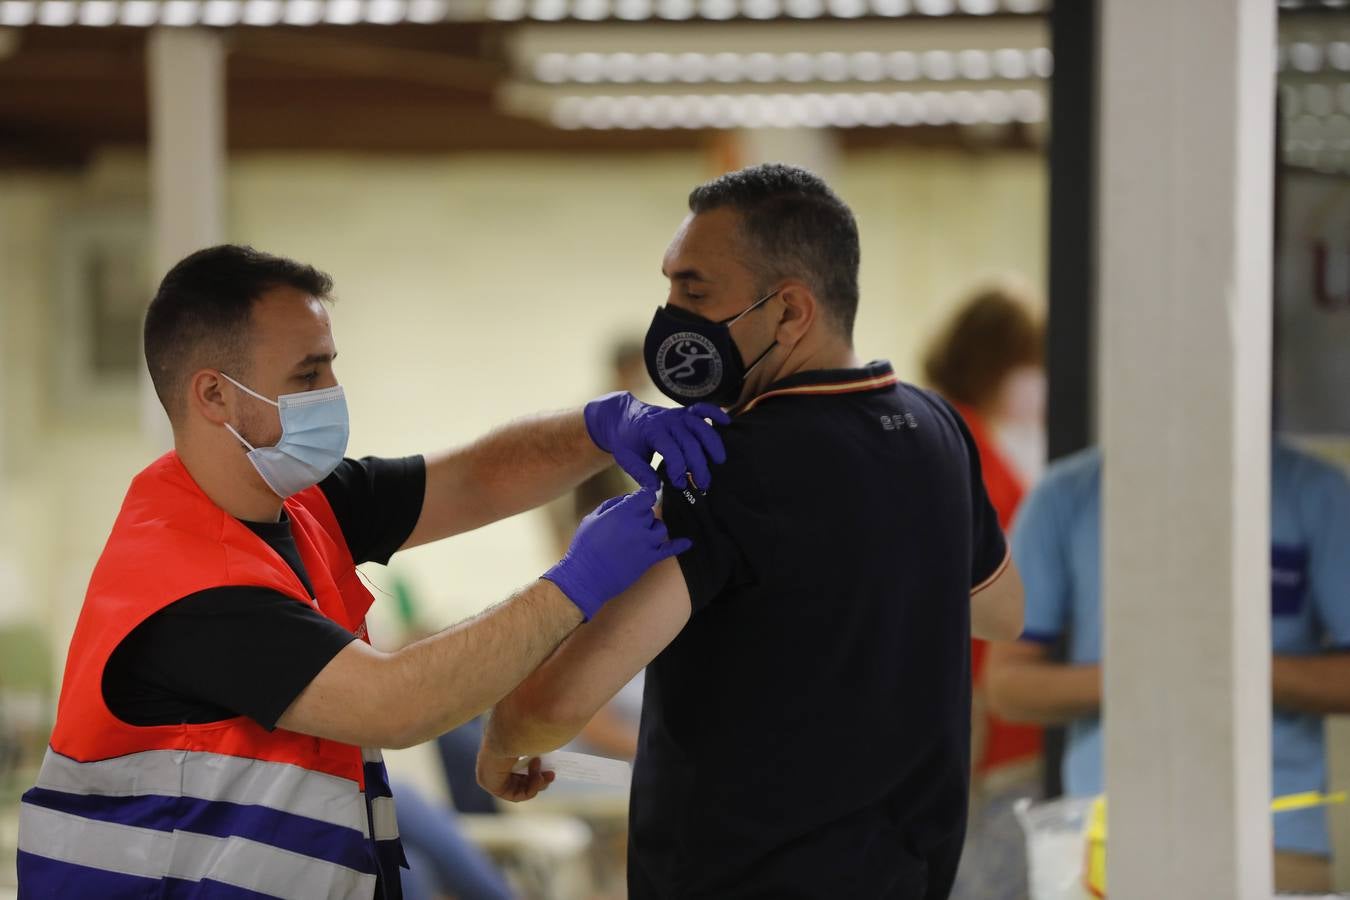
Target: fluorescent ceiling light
<point>427,12</point>
<point>57,13</point>
<point>342,12</point>
<point>139,13</point>
<point>98,13</point>
<point>180,13</point>
<point>506,10</point>
<point>548,10</point>
<point>222,13</point>
<point>386,12</point>
<point>303,12</point>
<point>262,12</point>
<point>873,109</point>
<point>17,13</point>
<point>761,10</point>
<point>795,67</point>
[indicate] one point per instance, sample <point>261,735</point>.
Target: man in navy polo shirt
<point>806,720</point>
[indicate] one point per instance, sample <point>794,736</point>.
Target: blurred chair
<point>547,854</point>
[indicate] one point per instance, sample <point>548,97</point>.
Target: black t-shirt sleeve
<point>377,502</point>
<point>721,557</point>
<point>989,547</point>
<point>219,653</point>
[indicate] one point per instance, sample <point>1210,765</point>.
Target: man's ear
<point>207,396</point>
<point>800,308</point>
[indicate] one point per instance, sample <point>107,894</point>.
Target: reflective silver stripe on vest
<point>384,822</point>
<point>372,755</point>
<point>212,776</point>
<point>193,857</point>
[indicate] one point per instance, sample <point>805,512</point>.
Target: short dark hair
<point>990,335</point>
<point>200,315</point>
<point>794,226</point>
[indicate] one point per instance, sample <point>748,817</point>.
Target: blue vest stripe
<point>183,855</point>
<point>51,879</point>
<point>219,819</point>
<point>377,780</point>
<point>206,889</point>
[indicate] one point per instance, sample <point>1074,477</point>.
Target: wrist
<point>493,744</point>
<point>578,605</point>
<point>1279,674</point>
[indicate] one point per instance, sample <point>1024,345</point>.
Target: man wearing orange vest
<point>221,714</point>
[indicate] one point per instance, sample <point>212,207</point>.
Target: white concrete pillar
<point>816,149</point>
<point>1185,289</point>
<point>186,76</point>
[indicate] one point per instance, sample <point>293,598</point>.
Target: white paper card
<point>582,767</point>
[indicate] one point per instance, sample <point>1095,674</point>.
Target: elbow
<point>403,738</point>
<point>997,622</point>
<point>403,728</point>
<point>533,722</point>
<point>1002,699</point>
<point>1006,626</point>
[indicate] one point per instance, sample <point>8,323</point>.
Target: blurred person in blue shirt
<point>1056,544</point>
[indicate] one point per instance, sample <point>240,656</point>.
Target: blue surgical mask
<point>314,430</point>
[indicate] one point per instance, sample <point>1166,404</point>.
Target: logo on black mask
<point>688,364</point>
<point>691,358</point>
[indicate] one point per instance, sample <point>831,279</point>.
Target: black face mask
<point>692,359</point>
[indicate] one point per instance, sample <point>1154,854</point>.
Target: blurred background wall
<point>470,290</point>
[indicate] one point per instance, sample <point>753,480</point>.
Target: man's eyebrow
<point>315,359</point>
<point>685,275</point>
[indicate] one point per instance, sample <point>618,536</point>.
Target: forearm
<point>552,705</point>
<point>1318,685</point>
<point>1045,693</point>
<point>517,467</point>
<point>443,681</point>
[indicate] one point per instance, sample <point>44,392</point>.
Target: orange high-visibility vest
<point>222,809</point>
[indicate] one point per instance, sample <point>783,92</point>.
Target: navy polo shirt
<point>808,733</point>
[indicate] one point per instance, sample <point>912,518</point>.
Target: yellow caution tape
<point>1094,865</point>
<point>1305,800</point>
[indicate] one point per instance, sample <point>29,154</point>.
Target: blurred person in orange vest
<point>987,360</point>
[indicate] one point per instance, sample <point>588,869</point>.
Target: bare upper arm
<point>445,478</point>
<point>996,605</point>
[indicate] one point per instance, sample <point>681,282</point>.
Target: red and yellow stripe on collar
<point>869,383</point>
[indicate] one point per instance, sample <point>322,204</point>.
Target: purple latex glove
<point>613,546</point>
<point>623,425</point>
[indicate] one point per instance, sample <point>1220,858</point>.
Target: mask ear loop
<point>753,306</point>
<point>249,391</point>
<point>760,358</point>
<point>237,435</point>
<point>240,437</point>
<point>727,322</point>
